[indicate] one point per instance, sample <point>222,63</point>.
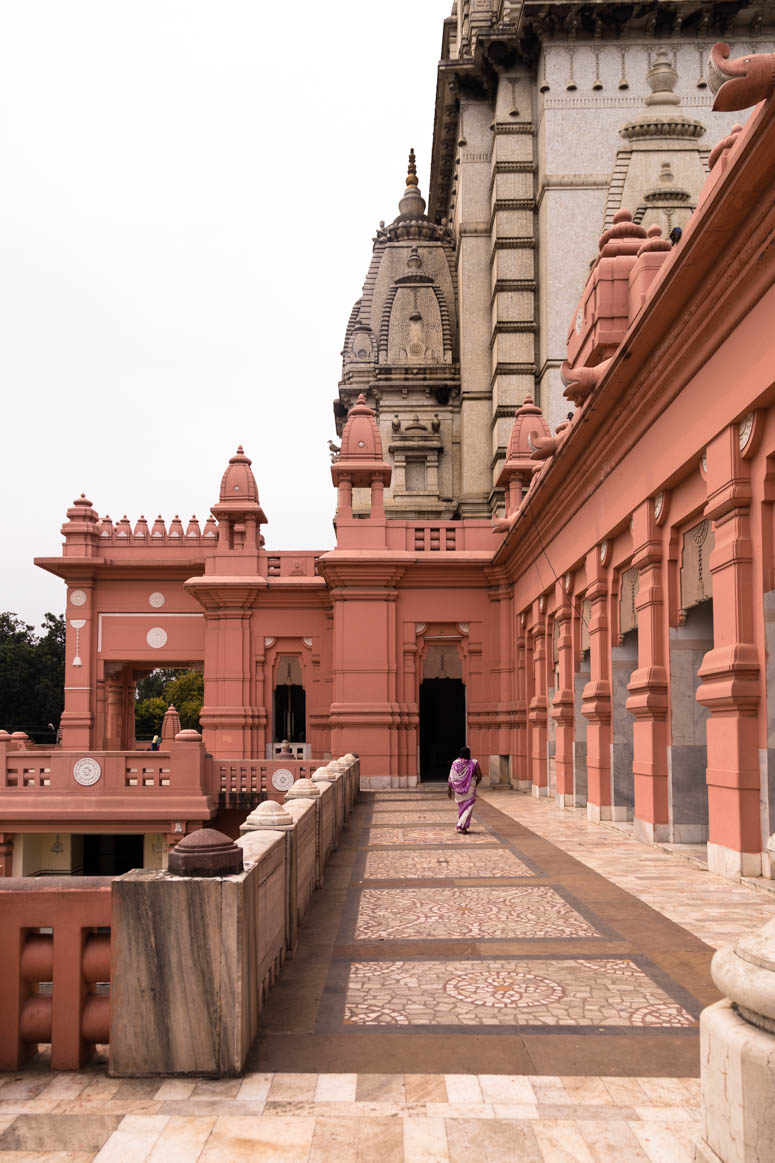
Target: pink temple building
<point>592,613</point>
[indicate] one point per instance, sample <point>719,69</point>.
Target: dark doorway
<point>442,725</point>
<point>290,713</point>
<point>111,855</point>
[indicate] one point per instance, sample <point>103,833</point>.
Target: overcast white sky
<point>189,191</point>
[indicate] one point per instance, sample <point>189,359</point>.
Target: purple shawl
<point>460,775</point>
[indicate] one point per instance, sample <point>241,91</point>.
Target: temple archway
<point>290,701</point>
<point>442,705</point>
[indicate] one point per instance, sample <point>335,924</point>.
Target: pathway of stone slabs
<point>496,953</point>
<point>529,991</point>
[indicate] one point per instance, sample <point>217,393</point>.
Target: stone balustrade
<point>54,983</point>
<point>225,936</point>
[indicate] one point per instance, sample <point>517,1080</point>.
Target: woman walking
<point>464,777</point>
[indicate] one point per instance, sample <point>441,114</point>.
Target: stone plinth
<point>192,958</point>
<point>738,1055</point>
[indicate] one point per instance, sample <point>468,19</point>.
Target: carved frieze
<point>696,584</point>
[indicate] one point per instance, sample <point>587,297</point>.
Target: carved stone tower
<point>550,118</point>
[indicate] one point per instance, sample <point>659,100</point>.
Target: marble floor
<point>529,991</point>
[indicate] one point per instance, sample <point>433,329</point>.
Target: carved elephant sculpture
<point>742,82</point>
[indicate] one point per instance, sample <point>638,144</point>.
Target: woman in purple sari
<point>464,776</point>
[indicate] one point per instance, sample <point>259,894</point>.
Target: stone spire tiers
<point>661,168</point>
<point>238,512</point>
<point>360,463</point>
<point>401,353</point>
<point>520,465</point>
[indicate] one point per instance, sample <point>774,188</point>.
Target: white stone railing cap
<point>302,789</point>
<point>258,841</point>
<point>268,814</point>
<point>745,972</point>
<point>322,775</point>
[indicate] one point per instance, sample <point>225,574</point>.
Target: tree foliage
<point>32,675</point>
<point>183,688</point>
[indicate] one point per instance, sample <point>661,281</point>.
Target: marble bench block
<point>192,958</point>
<point>738,1089</point>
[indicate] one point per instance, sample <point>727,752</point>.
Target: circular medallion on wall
<point>78,598</point>
<point>282,779</point>
<point>156,637</point>
<point>156,600</point>
<point>86,771</point>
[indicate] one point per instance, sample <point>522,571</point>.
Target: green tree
<point>186,693</point>
<point>148,716</point>
<point>32,675</point>
<point>183,688</point>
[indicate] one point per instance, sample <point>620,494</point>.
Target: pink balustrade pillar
<point>537,712</point>
<point>730,672</point>
<point>648,699</point>
<point>562,704</point>
<point>596,697</point>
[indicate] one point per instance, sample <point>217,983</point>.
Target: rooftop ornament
<point>742,82</point>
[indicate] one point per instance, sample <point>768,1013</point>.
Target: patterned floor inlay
<point>427,836</point>
<point>516,913</point>
<point>429,863</point>
<point>391,817</point>
<point>567,992</point>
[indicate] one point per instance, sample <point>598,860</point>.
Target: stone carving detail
<point>628,617</point>
<point>739,83</point>
<point>156,637</point>
<point>696,584</point>
<point>659,505</point>
<point>156,600</point>
<point>586,614</point>
<point>745,430</point>
<point>86,771</point>
<point>78,598</point>
<point>77,625</point>
<point>282,779</point>
<point>441,661</point>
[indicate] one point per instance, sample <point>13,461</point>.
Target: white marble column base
<point>597,813</point>
<point>727,862</point>
<point>649,833</point>
<point>538,792</point>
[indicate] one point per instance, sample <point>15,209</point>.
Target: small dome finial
<point>411,176</point>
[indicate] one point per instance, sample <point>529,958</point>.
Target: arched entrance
<point>290,702</point>
<point>442,710</point>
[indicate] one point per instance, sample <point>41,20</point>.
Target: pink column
<point>730,672</point>
<point>537,711</point>
<point>596,697</point>
<point>648,700</point>
<point>521,773</point>
<point>114,713</point>
<point>364,711</point>
<point>80,661</point>
<point>562,704</point>
<point>6,853</point>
